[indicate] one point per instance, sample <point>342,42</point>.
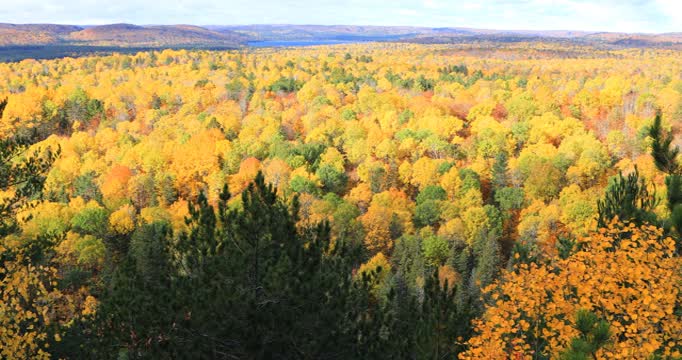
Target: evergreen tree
<point>628,199</point>
<point>441,320</point>
<point>665,158</point>
<point>242,283</point>
<point>499,173</point>
<point>594,334</point>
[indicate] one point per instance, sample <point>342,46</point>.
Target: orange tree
<point>624,274</point>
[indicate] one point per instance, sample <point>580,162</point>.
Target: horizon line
<point>341,24</point>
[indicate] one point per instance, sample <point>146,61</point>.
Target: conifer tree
<point>594,334</point>
<point>628,199</point>
<point>665,158</point>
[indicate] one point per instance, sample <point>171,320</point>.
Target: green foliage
<point>487,258</point>
<point>299,184</point>
<point>237,274</point>
<point>332,179</point>
<point>628,199</point>
<point>594,335</point>
<point>3,105</point>
<point>85,187</point>
<point>311,152</point>
<point>90,250</point>
<point>428,209</point>
<point>287,85</point>
<point>431,192</point>
<point>457,69</point>
<point>78,107</point>
<point>22,172</point>
<point>499,178</point>
<point>522,107</point>
<point>405,116</point>
<point>234,89</point>
<point>424,84</point>
<point>441,320</point>
<point>665,157</point>
<point>470,180</point>
<point>436,250</point>
<point>92,221</point>
<point>409,260</point>
<point>567,246</point>
<point>509,198</point>
<point>348,114</point>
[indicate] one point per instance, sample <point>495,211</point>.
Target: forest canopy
<point>477,201</point>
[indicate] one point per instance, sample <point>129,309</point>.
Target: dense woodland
<point>490,201</point>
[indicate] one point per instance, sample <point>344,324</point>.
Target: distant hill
<point>442,34</point>
<point>637,40</point>
<point>33,34</point>
<point>162,35</point>
<point>336,32</point>
<point>322,32</point>
<point>123,35</point>
<point>131,36</point>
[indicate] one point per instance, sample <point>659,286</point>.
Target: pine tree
<point>594,334</point>
<point>628,199</point>
<point>665,158</point>
<point>245,283</point>
<point>441,320</point>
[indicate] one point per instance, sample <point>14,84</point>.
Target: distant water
<point>287,43</point>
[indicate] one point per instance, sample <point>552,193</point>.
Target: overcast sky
<point>605,15</point>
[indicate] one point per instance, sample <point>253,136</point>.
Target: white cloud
<point>603,15</point>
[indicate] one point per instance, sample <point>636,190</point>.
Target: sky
<point>652,16</point>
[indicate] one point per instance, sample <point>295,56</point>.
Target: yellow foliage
<point>29,303</point>
<point>628,276</point>
<point>122,221</point>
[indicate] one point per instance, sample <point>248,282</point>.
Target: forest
<point>357,201</point>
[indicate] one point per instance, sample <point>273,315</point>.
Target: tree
<point>29,299</point>
<point>332,179</point>
<point>441,319</point>
<point>627,199</point>
<point>593,335</point>
<point>231,281</point>
<point>619,272</point>
<point>23,175</point>
<point>665,158</point>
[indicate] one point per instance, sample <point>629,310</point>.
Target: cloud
<point>604,15</point>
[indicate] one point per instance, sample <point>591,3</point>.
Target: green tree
<point>225,288</point>
<point>665,158</point>
<point>594,334</point>
<point>24,173</point>
<point>628,199</point>
<point>29,316</point>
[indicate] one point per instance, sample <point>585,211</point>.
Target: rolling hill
<point>64,40</point>
<point>34,34</point>
<point>161,35</point>
<point>123,35</point>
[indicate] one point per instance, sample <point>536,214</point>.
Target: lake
<point>287,43</point>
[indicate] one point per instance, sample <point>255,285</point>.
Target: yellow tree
<point>627,276</point>
<point>29,303</point>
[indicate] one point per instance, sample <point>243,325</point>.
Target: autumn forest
<point>358,201</point>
